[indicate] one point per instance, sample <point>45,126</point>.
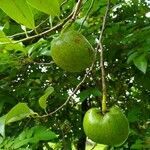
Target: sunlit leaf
<point>19,11</point>
<point>18,112</point>
<point>8,44</point>
<point>50,7</point>
<point>20,143</point>
<point>43,98</point>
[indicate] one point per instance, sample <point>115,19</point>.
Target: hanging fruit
<point>72,52</point>
<point>111,128</point>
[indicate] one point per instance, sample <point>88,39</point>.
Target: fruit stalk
<point>104,91</point>
<point>73,18</point>
<point>76,10</point>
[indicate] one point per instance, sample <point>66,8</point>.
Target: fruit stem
<point>104,91</point>
<point>73,18</point>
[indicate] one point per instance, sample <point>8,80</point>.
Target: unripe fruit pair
<point>72,52</point>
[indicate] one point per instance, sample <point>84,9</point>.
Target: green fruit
<point>72,52</point>
<point>111,128</point>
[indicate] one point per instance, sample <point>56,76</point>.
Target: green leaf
<point>132,56</point>
<point>19,11</point>
<point>27,133</point>
<point>19,144</point>
<point>141,144</point>
<point>3,39</point>
<point>86,93</point>
<point>9,43</point>
<point>50,7</point>
<point>42,133</point>
<point>18,112</point>
<point>141,62</point>
<point>133,114</point>
<point>43,98</point>
<point>23,139</point>
<point>40,48</point>
<point>143,80</point>
<point>2,125</point>
<point>9,143</point>
<point>33,135</point>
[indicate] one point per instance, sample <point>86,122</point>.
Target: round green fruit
<point>72,52</point>
<point>112,128</point>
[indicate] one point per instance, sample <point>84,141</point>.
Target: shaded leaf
<point>42,133</point>
<point>5,98</point>
<point>140,144</point>
<point>141,63</point>
<point>32,135</point>
<point>40,48</point>
<point>1,105</point>
<point>21,143</point>
<point>133,114</point>
<point>143,80</point>
<point>86,93</point>
<point>131,57</point>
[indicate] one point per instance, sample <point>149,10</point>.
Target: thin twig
<point>93,146</point>
<point>103,25</point>
<point>47,146</point>
<point>76,10</point>
<point>22,33</point>
<point>72,16</point>
<point>18,34</point>
<point>90,7</point>
<point>75,90</point>
<point>42,33</point>
<point>43,63</point>
<point>104,108</point>
<point>63,3</point>
<point>85,76</point>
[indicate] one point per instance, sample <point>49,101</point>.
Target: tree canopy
<point>42,106</point>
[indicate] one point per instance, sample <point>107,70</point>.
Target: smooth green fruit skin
<point>72,52</point>
<point>111,128</point>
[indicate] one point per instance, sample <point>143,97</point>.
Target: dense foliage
<point>32,85</point>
